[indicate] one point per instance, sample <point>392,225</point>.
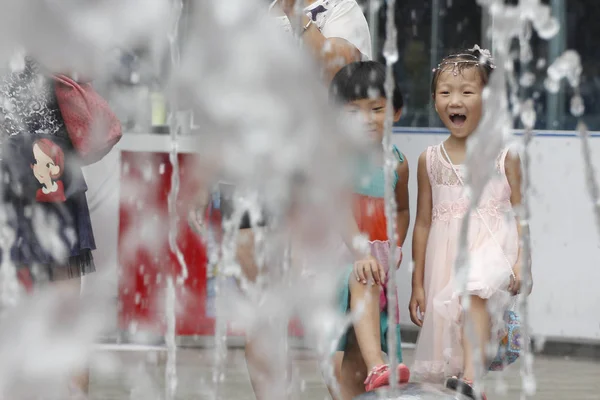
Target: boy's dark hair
<point>471,58</point>
<point>362,80</point>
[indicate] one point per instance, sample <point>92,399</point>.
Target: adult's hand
<point>288,6</point>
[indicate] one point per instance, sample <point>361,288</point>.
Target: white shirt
<point>338,18</point>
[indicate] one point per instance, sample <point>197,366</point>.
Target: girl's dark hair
<point>362,80</point>
<point>471,58</point>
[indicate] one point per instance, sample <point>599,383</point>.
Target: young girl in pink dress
<point>443,350</point>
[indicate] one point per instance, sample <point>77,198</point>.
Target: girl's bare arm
<point>420,236</point>
<point>512,167</point>
<point>422,222</point>
<point>402,203</point>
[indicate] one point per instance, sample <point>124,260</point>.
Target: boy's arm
<point>402,203</point>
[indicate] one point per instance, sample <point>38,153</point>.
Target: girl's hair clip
<point>486,55</point>
<point>467,58</point>
<point>454,64</point>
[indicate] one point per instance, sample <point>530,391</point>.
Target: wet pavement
<point>133,373</point>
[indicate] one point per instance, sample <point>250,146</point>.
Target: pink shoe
<point>380,376</point>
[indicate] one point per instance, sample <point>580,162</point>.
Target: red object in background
<point>144,254</point>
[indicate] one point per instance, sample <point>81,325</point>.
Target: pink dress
<point>439,352</point>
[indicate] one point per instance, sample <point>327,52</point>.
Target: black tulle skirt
<point>54,240</point>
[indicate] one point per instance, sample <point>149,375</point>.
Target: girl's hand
<point>514,287</point>
<point>516,281</point>
<point>416,306</point>
<point>368,269</point>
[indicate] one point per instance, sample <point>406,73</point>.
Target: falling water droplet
<point>527,79</point>
<point>552,85</point>
<point>577,106</point>
<point>147,173</point>
<point>568,65</point>
<point>391,56</point>
<point>539,343</point>
<point>528,115</point>
<point>529,385</point>
<point>134,78</point>
<point>526,55</point>
<point>547,29</point>
<point>541,63</point>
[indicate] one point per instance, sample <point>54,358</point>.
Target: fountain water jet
<point>295,163</point>
<point>390,52</point>
<point>170,296</point>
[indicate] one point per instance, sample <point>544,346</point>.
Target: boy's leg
<point>367,327</point>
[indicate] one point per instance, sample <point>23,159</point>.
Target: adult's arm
<point>345,38</point>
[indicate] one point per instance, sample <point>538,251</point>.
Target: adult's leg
<point>265,374</point>
<point>245,254</point>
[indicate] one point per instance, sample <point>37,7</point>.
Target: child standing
<point>443,349</point>
<point>44,187</point>
<point>359,363</point>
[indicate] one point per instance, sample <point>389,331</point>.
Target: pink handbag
<point>92,126</point>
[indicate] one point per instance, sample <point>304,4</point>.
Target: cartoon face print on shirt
<point>48,167</point>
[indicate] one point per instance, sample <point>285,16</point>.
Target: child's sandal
<point>465,387</point>
<point>380,376</point>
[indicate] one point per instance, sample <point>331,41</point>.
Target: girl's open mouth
<point>458,119</point>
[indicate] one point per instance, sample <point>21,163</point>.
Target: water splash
<point>171,365</point>
<point>390,52</point>
<point>171,299</point>
<point>10,288</point>
<point>568,66</point>
<point>491,137</point>
<point>175,130</point>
